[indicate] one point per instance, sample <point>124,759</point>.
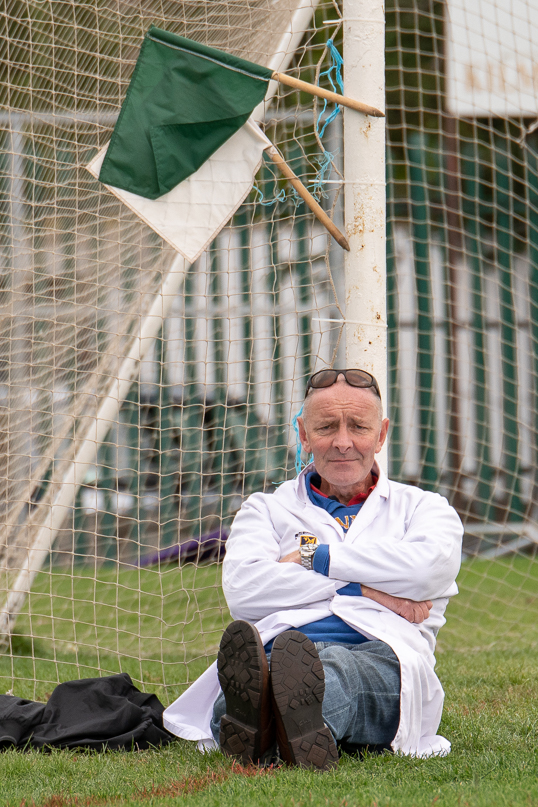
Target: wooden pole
<point>317,210</point>
<point>313,89</point>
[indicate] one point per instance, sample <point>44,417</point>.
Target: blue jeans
<point>361,705</point>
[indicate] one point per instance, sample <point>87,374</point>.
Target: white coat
<point>404,541</point>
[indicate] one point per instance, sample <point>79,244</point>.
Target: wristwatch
<point>307,552</point>
<point>308,544</point>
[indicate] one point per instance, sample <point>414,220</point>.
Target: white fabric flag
<point>195,211</point>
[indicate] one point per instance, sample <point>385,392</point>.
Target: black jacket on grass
<point>97,713</point>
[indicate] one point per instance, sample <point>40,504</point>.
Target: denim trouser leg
<point>362,693</point>
<point>219,710</point>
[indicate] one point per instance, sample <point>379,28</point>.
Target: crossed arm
<point>408,609</point>
<point>402,575</point>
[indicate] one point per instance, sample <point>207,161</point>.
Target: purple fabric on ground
<point>206,548</point>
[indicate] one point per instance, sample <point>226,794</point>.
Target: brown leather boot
<point>298,684</point>
<point>247,729</point>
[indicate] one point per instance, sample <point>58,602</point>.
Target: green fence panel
<point>532,223</point>
<point>482,506</point>
<point>393,408</point>
<point>504,253</point>
<point>425,337</point>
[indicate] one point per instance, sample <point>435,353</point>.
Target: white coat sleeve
<point>421,565</point>
<point>255,584</point>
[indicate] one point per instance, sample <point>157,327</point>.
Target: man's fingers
<point>422,611</point>
<point>415,612</point>
<point>407,609</point>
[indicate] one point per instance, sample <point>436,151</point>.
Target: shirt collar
<point>358,499</point>
<point>381,488</point>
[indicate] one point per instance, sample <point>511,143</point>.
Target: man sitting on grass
<point>363,567</point>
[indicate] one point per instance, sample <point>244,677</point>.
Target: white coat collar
<point>299,483</point>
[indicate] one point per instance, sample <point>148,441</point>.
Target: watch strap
<point>307,556</point>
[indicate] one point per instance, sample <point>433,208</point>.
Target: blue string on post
<point>325,166</point>
<point>333,73</point>
<point>280,197</point>
<point>335,69</point>
<point>299,464</point>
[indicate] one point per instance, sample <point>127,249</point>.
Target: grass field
<point>160,629</point>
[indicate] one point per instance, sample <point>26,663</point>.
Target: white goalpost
<point>365,198</point>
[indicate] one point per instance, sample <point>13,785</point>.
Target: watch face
<point>306,539</point>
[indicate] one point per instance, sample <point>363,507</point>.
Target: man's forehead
<point>341,396</point>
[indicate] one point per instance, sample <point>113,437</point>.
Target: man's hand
<point>408,609</point>
<point>293,557</point>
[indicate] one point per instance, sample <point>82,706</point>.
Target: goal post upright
<point>364,195</point>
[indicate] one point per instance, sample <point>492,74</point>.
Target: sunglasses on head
<point>355,378</point>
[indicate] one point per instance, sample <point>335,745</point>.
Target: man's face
<point>343,428</point>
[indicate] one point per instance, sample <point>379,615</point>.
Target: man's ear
<point>302,436</point>
<point>382,435</point>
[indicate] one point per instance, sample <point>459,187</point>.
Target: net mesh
<point>462,292</point>
<point>133,581</point>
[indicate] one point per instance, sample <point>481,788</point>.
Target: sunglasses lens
<point>363,379</point>
<point>325,378</point>
<point>356,378</point>
<point>359,378</point>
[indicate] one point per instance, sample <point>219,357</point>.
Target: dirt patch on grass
<point>181,787</point>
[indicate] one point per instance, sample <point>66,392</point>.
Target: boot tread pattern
<point>298,683</point>
<point>241,677</point>
<point>239,673</point>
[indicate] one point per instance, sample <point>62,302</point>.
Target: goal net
<point>132,580</point>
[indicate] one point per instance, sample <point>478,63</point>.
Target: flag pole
<point>317,210</point>
<point>343,100</point>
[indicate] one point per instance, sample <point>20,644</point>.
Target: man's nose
<point>343,440</point>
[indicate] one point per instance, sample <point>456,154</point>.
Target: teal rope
<point>299,464</point>
<point>325,166</point>
<point>280,197</point>
<point>334,74</point>
<point>335,69</point>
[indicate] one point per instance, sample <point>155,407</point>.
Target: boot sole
<point>298,684</point>
<point>247,728</point>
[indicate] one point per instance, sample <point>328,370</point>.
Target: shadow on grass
<point>28,647</point>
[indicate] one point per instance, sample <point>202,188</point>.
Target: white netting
<point>207,422</point>
<point>463,289</point>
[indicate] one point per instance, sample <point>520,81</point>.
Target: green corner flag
<point>185,100</point>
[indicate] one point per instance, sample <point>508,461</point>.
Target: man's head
<point>343,427</point>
